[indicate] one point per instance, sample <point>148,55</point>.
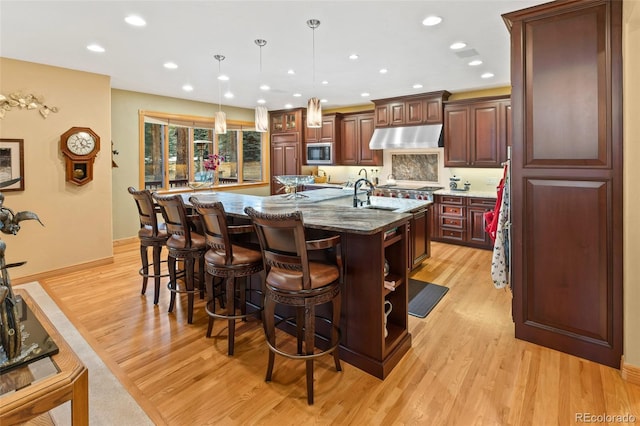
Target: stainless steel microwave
<point>320,153</point>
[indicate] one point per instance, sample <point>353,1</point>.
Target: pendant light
<point>314,109</point>
<point>221,117</point>
<point>262,115</point>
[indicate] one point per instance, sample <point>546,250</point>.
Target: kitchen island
<point>369,237</point>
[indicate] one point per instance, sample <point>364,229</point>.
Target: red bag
<point>491,217</point>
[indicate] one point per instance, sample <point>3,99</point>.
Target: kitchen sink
<point>373,207</point>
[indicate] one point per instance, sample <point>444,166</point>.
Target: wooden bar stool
<point>151,234</point>
<point>227,261</point>
<point>292,279</point>
<point>184,244</point>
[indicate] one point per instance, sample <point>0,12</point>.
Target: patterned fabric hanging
<point>500,266</point>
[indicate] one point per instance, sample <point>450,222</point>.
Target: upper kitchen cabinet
<point>329,132</point>
<point>286,121</point>
<point>424,108</point>
<point>357,130</point>
<point>477,132</point>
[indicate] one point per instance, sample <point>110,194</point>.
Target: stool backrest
<point>282,241</point>
<point>214,222</point>
<point>146,209</point>
<point>175,216</point>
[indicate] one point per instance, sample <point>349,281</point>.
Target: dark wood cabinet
<point>476,234</point>
<point>419,237</point>
<point>329,132</point>
<point>461,220</point>
<point>423,108</point>
<point>476,132</point>
<point>285,121</point>
<point>566,192</point>
<point>356,132</point>
<point>286,146</point>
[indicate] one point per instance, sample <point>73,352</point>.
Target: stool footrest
<point>149,275</point>
<point>333,347</point>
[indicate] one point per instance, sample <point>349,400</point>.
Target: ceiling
<point>384,34</point>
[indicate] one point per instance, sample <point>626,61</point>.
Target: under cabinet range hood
<point>407,137</point>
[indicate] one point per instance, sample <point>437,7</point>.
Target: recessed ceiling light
<point>135,20</point>
<point>417,86</point>
<point>325,82</point>
<point>487,75</point>
<point>262,101</point>
<point>170,65</point>
<point>365,94</point>
<point>291,72</point>
<point>475,62</point>
<point>383,71</point>
<point>187,88</point>
<point>96,48</point>
<point>223,77</point>
<point>264,87</point>
<point>228,95</point>
<point>297,95</point>
<point>323,101</point>
<point>430,21</point>
<point>353,56</point>
<point>458,45</point>
<point>288,106</point>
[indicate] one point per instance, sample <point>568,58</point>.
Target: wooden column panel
<point>566,192</point>
<point>567,278</point>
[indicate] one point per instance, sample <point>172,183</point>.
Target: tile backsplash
<point>415,167</point>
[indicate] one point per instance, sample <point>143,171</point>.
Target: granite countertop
<point>328,208</point>
<point>469,193</point>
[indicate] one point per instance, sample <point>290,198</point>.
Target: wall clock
<point>79,145</point>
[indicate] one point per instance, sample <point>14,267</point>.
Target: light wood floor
<point>464,367</point>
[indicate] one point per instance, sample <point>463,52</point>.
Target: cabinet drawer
<point>482,202</point>
<point>452,222</point>
<point>453,234</point>
<point>449,199</point>
<point>451,210</point>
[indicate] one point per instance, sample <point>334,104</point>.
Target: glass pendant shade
<point>314,113</point>
<point>262,119</point>
<point>221,123</point>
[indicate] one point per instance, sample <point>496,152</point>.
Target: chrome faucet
<point>357,185</point>
<point>365,173</point>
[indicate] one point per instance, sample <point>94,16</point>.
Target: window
<point>173,150</point>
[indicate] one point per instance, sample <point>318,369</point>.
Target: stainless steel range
<point>400,191</point>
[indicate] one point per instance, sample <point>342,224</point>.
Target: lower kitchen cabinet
<point>460,220</point>
<point>420,237</point>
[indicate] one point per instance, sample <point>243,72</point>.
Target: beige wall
<point>631,55</point>
<point>78,227</point>
<point>124,111</point>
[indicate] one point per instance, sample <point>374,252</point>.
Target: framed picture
<point>12,163</point>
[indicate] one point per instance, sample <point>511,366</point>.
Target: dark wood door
<point>567,177</point>
<point>485,148</point>
<point>476,233</point>
<point>349,145</point>
<point>366,156</point>
<point>285,160</point>
<point>396,113</point>
<point>415,111</point>
<point>456,136</point>
<point>420,241</point>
